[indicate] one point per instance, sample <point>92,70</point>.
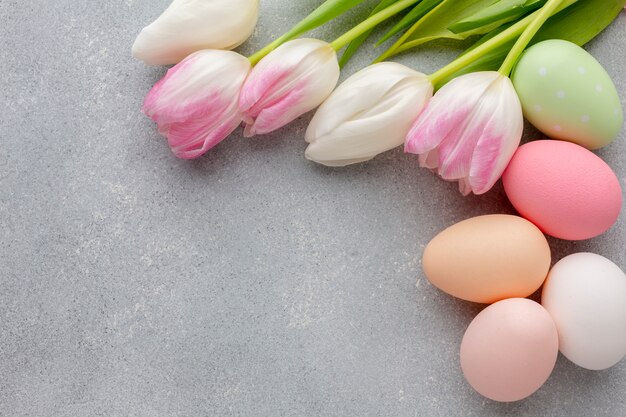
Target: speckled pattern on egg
<point>567,94</point>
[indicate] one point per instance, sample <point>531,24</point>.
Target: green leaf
<point>532,2</point>
<point>434,25</point>
<point>356,44</point>
<point>581,22</point>
<point>578,23</point>
<point>329,10</point>
<point>413,16</point>
<point>503,9</point>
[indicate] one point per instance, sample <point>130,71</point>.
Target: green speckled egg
<point>567,94</point>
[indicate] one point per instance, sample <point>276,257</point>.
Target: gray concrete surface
<point>247,283</point>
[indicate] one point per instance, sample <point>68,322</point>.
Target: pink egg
<point>563,188</point>
<point>509,350</point>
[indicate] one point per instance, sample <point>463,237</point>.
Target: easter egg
<point>585,294</point>
<point>488,258</point>
<point>567,94</point>
<point>563,188</point>
<point>509,350</point>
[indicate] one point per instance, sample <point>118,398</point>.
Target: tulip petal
<point>195,104</point>
<point>372,131</point>
<point>470,130</point>
<point>290,81</point>
<point>369,113</point>
<point>270,105</point>
<point>446,111</point>
<point>187,26</point>
<point>495,149</point>
<point>465,187</point>
<point>429,160</point>
<point>202,129</point>
<point>456,150</point>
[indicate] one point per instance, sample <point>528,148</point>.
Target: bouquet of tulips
<point>211,90</point>
<point>464,122</point>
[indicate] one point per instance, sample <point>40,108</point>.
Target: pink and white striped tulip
<point>187,26</point>
<point>195,104</point>
<point>293,79</point>
<point>469,131</point>
<point>369,113</point>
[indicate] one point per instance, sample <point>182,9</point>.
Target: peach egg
<point>488,258</point>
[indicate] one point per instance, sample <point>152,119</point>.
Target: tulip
<point>188,26</point>
<point>469,131</point>
<point>291,80</point>
<point>195,104</point>
<point>371,112</point>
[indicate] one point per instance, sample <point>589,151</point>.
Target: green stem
<point>257,56</point>
<point>464,60</point>
<point>505,36</point>
<point>522,42</point>
<point>371,22</point>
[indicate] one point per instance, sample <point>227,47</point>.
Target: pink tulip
<point>195,104</point>
<point>292,80</point>
<point>469,131</point>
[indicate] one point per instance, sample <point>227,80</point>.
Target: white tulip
<point>188,26</point>
<point>370,113</point>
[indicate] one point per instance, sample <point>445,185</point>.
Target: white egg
<point>585,294</point>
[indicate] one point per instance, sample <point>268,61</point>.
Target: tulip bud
<point>188,26</point>
<point>292,80</point>
<point>195,104</point>
<point>370,113</point>
<point>469,131</point>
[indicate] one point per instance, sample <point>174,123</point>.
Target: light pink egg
<point>564,189</point>
<point>509,350</point>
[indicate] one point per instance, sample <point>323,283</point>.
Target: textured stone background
<point>250,282</point>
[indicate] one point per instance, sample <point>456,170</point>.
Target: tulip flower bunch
<point>467,132</point>
<point>209,93</point>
